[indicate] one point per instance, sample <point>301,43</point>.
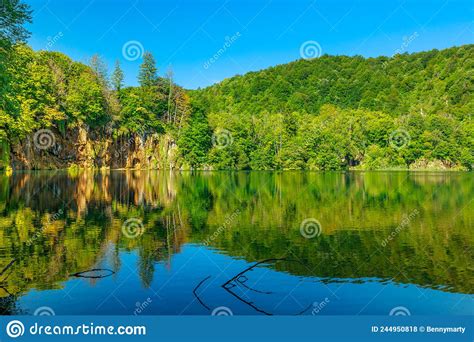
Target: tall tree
<point>100,69</point>
<point>148,74</point>
<point>117,77</point>
<point>13,15</point>
<point>169,76</point>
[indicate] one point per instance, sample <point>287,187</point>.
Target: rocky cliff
<point>83,148</point>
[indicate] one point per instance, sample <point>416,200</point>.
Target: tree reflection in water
<point>55,225</point>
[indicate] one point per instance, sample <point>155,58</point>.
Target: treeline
<point>329,113</point>
<point>49,89</point>
<point>339,112</point>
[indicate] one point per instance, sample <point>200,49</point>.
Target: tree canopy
<point>329,113</point>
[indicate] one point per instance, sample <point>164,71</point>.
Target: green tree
<point>99,67</point>
<point>117,77</point>
<point>148,73</point>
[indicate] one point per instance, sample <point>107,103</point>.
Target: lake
<point>241,243</point>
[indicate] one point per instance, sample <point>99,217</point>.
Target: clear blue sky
<point>186,33</point>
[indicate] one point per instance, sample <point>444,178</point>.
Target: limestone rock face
<point>80,147</point>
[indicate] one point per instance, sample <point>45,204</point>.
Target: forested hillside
<point>330,113</point>
<point>335,112</point>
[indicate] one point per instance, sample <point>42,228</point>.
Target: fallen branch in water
<point>197,296</point>
<point>83,273</point>
<point>236,281</point>
<point>6,268</point>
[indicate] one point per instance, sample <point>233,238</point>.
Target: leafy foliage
<point>330,113</point>
<point>340,112</point>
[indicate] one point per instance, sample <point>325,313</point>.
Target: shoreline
<point>100,170</point>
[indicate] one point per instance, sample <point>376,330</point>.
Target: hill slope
<point>335,112</point>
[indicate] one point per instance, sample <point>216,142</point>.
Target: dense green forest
<point>330,113</point>
<point>336,112</point>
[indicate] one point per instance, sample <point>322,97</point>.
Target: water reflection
<point>215,225</point>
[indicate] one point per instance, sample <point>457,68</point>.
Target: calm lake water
<point>246,243</point>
